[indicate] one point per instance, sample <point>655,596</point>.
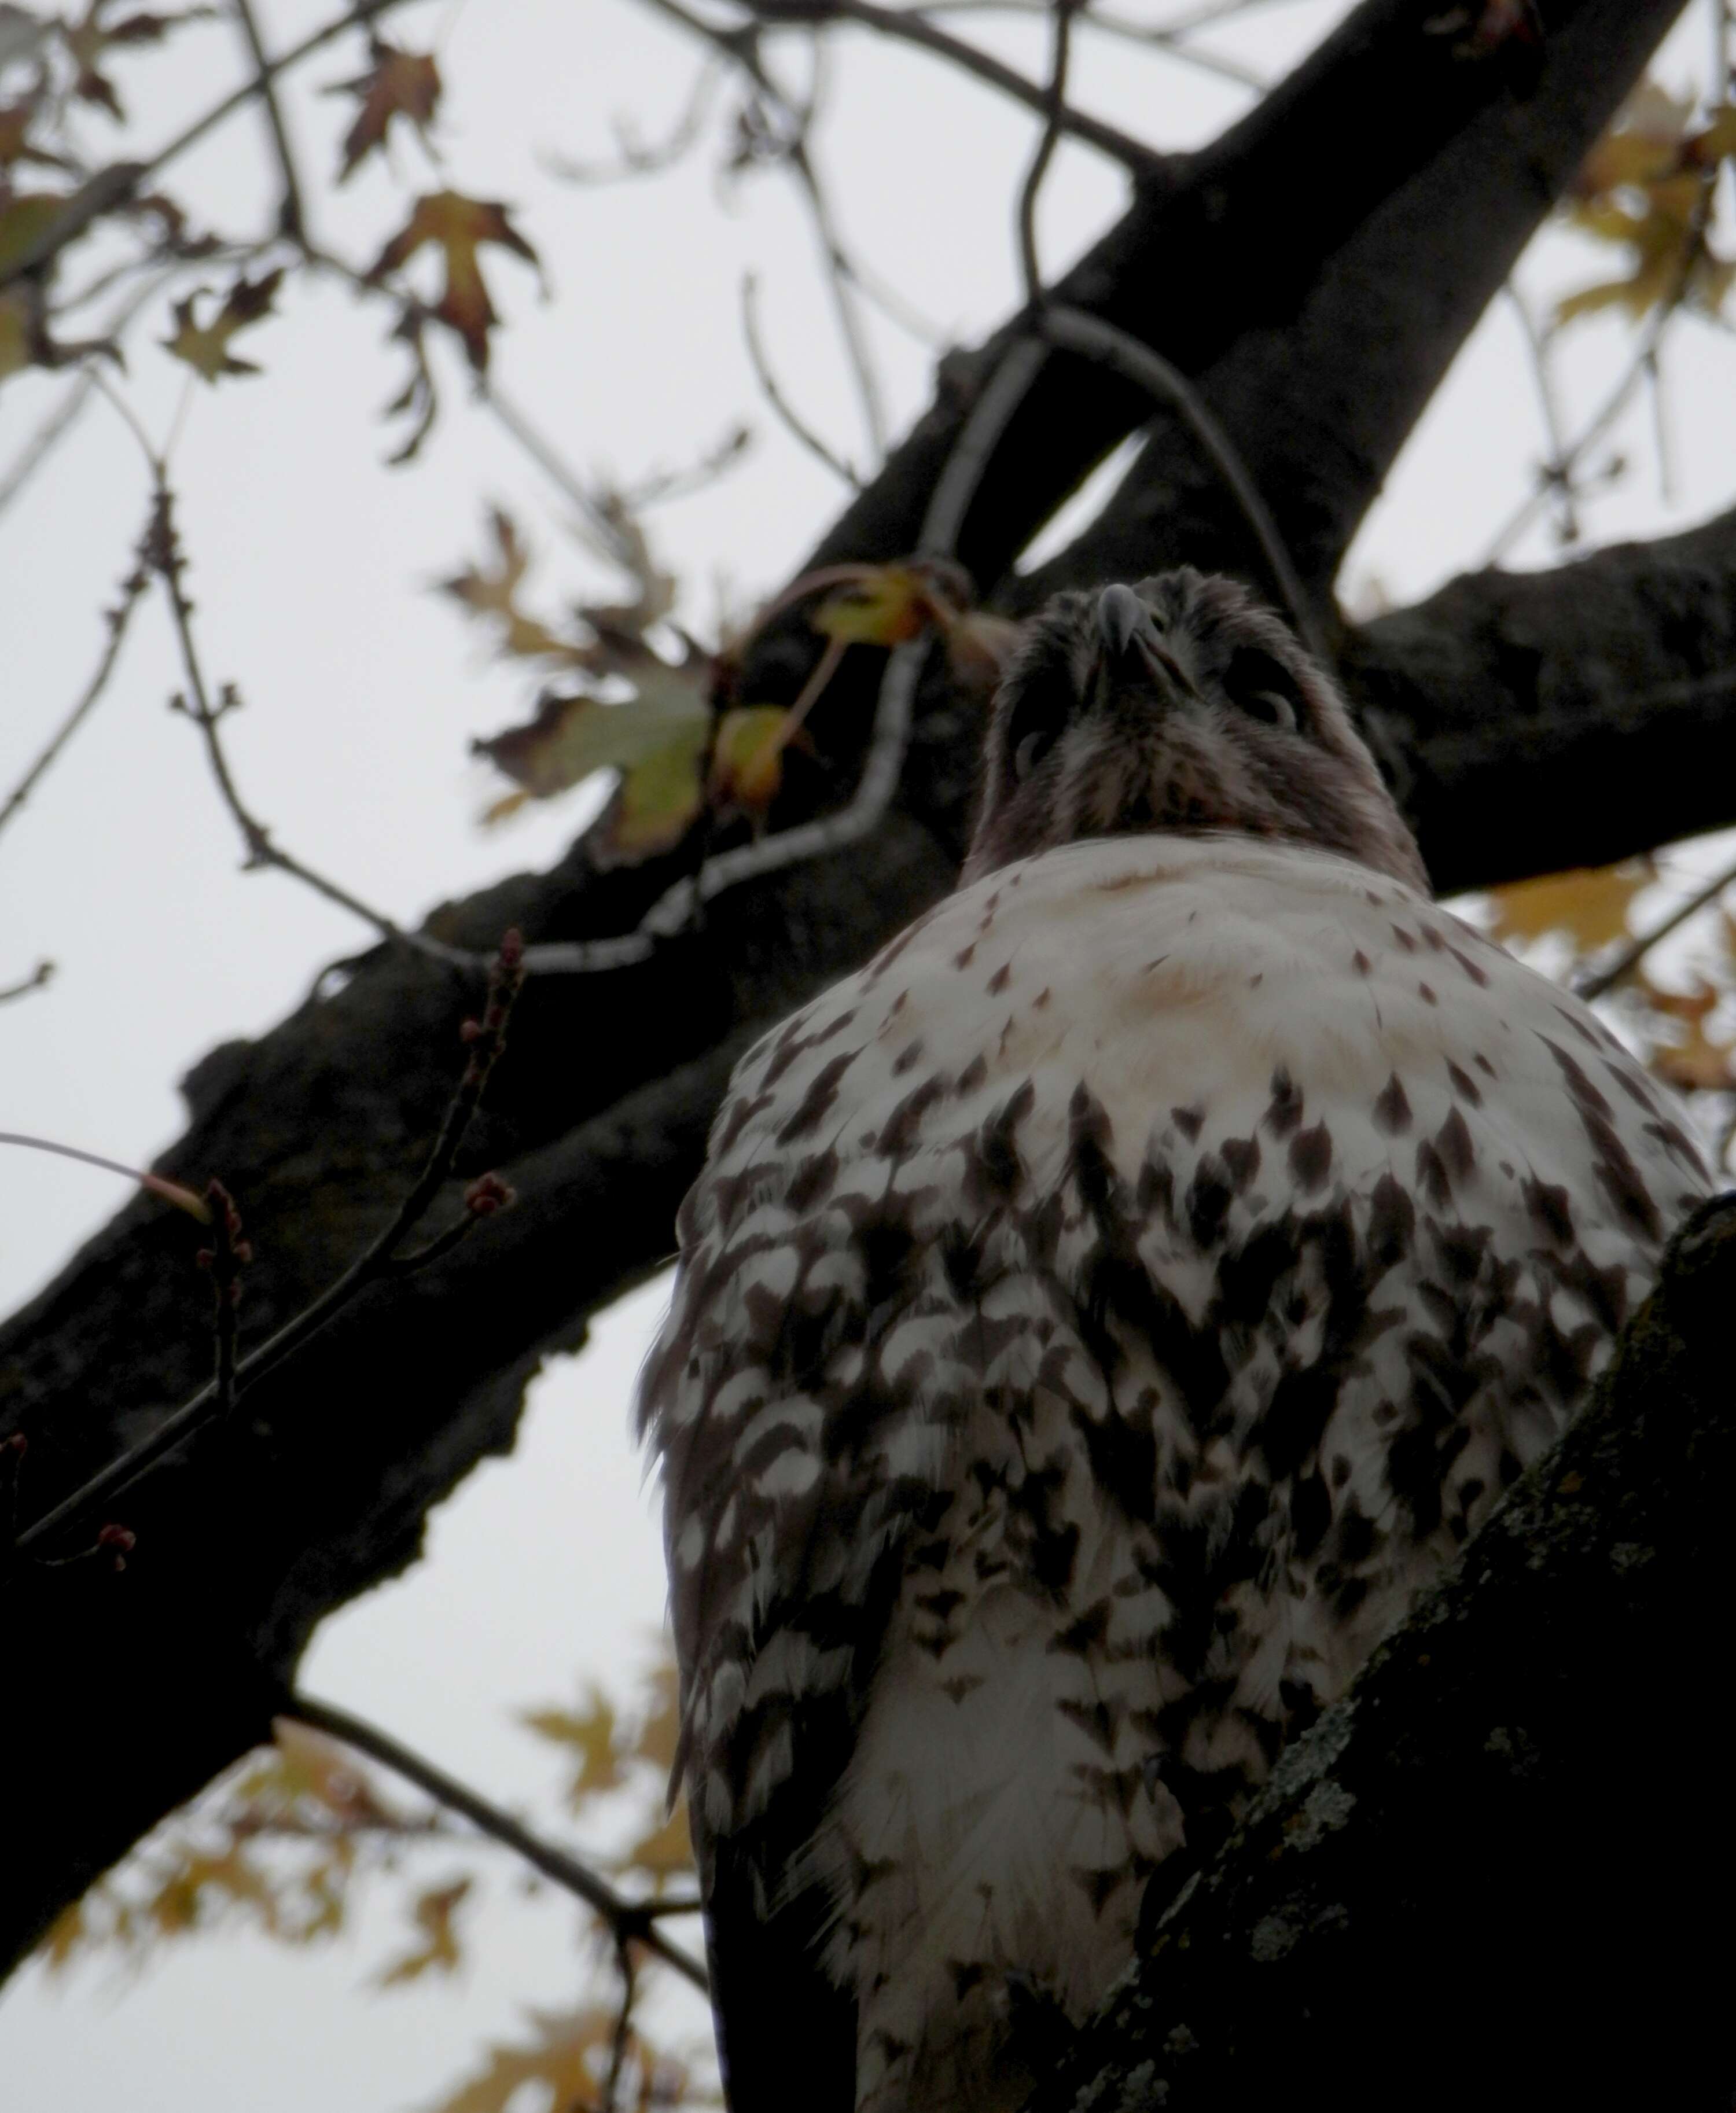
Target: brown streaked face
<point>1176,705</point>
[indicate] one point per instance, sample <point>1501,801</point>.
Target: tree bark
<point>1499,706</point>
<point>1497,1872</point>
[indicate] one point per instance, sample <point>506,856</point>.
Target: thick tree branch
<point>1528,723</point>
<point>1490,1875</point>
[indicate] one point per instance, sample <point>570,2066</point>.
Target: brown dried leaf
<point>88,40</point>
<point>458,226</point>
<point>15,146</point>
<point>1695,1064</point>
<point>398,83</point>
<point>310,1765</point>
<point>493,591</point>
<point>438,1952</point>
<point>205,346</point>
<point>665,1851</point>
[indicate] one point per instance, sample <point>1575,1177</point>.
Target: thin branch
<point>117,618</point>
<point>636,160</point>
<point>623,2037</point>
<point>1558,478</point>
<point>1167,42</point>
<point>773,394</point>
<point>841,279</point>
<point>1063,12</point>
<point>1094,339</point>
<point>1636,950</point>
<point>39,978</point>
<point>630,1922</point>
<point>165,558</point>
<point>675,909</point>
<point>111,186</point>
<point>291,218</point>
<point>914,28</point>
<point>380,1258</point>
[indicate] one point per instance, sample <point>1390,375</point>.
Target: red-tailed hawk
<point>1096,1318</point>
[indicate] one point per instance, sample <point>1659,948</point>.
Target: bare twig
<point>1635,951</point>
<point>774,394</point>
<point>841,279</point>
<point>38,979</point>
<point>120,181</point>
<point>661,485</point>
<point>291,220</point>
<point>1094,339</point>
<point>1557,477</point>
<point>117,619</point>
<point>911,27</point>
<point>638,160</point>
<point>628,1921</point>
<point>225,1259</point>
<point>623,2038</point>
<point>1062,13</point>
<point>1167,41</point>
<point>383,1257</point>
<point>164,558</point>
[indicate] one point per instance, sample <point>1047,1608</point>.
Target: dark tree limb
<point>1498,1874</point>
<point>1528,722</point>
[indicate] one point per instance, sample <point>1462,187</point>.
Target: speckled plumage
<point>1096,1317</point>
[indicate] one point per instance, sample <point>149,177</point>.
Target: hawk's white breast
<point>1097,1316</point>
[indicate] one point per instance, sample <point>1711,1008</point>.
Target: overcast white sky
<point>311,565</point>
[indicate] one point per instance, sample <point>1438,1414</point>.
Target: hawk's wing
<point>1230,1190</point>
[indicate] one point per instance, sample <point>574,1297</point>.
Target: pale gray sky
<point>312,565</point>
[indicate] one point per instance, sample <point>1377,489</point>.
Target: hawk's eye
<point>1259,683</point>
<point>1032,731</point>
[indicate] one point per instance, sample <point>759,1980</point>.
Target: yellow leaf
<point>310,1765</point>
<point>567,2056</point>
<point>438,1951</point>
<point>1695,1063</point>
<point>493,591</point>
<point>747,758</point>
<point>205,346</point>
<point>589,1734</point>
<point>660,1732</point>
<point>658,802</point>
<point>889,605</point>
<point>666,1852</point>
<point>1590,904</point>
<point>458,226</point>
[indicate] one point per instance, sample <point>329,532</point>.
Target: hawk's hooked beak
<point>1128,636</point>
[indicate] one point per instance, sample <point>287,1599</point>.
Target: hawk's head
<point>1178,704</point>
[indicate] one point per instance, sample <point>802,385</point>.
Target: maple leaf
<point>310,1765</point>
<point>90,39</point>
<point>1591,903</point>
<point>748,759</point>
<point>493,591</point>
<point>1694,1063</point>
<point>1643,186</point>
<point>205,346</point>
<point>588,1732</point>
<point>15,120</point>
<point>179,1902</point>
<point>438,1951</point>
<point>398,84</point>
<point>664,1852</point>
<point>567,2055</point>
<point>458,226</point>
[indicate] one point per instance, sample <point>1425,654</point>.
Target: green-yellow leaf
<point>205,346</point>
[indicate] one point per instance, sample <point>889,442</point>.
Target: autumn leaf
<point>1591,905</point>
<point>748,759</point>
<point>16,145</point>
<point>1643,186</point>
<point>979,647</point>
<point>567,2055</point>
<point>664,1852</point>
<point>886,605</point>
<point>588,1734</point>
<point>493,591</point>
<point>88,41</point>
<point>310,1765</point>
<point>205,346</point>
<point>458,226</point>
<point>438,1951</point>
<point>226,1876</point>
<point>1695,1064</point>
<point>398,84</point>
